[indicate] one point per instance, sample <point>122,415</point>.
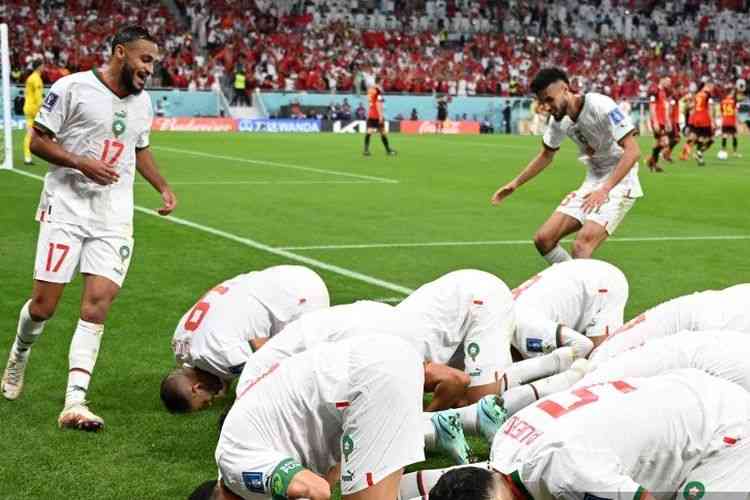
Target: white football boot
<point>12,382</point>
<point>78,416</point>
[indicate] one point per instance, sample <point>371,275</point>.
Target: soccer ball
<point>722,155</point>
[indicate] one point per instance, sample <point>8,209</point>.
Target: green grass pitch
<point>304,193</point>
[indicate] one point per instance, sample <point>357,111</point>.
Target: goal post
<point>6,156</point>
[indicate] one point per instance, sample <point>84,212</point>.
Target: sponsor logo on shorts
<point>118,270</point>
<point>347,446</point>
<point>253,481</point>
<point>50,101</point>
<point>534,345</point>
<point>124,252</point>
<point>591,496</point>
<point>473,350</point>
<point>348,477</point>
<point>236,369</point>
<point>475,372</point>
<point>694,490</point>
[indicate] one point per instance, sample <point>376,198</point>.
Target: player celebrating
<point>376,118</point>
<point>442,114</point>
<point>93,128</point>
<point>661,123</point>
<point>347,410</point>
<point>34,94</point>
<point>214,339</point>
<point>729,108</point>
<point>684,432</point>
<point>606,139</point>
<point>702,122</point>
<point>710,310</point>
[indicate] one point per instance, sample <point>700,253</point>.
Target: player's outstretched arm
<point>539,163</point>
<point>44,146</point>
<point>144,162</point>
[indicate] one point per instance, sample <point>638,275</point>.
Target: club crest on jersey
<point>124,252</point>
<point>347,446</point>
<point>119,126</point>
<point>473,350</point>
<point>694,490</point>
<point>253,481</point>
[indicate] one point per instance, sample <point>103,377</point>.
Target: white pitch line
<point>502,242</point>
<point>263,183</point>
<point>388,300</point>
<point>263,247</point>
<point>280,165</point>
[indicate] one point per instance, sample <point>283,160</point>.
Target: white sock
<point>532,369</point>
<point>84,349</point>
<point>522,396</point>
<point>557,255</point>
<point>430,434</point>
<point>27,333</point>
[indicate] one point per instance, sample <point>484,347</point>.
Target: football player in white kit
<point>93,129</point>
<point>684,432</point>
<point>606,140</point>
<point>709,310</point>
<point>347,410</point>
<point>214,339</point>
<point>576,303</point>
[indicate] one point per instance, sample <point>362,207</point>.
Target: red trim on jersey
<point>603,290</point>
<point>340,405</point>
<point>730,440</point>
<point>41,218</point>
<point>368,477</point>
<point>536,393</point>
<point>478,302</point>
<point>420,484</point>
<point>301,301</point>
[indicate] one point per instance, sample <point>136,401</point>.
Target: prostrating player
<point>684,433</point>
<point>346,410</point>
<point>721,353</point>
<point>702,122</point>
<point>376,118</point>
<point>710,310</point>
<point>576,303</point>
<point>729,108</point>
<point>606,139</point>
<point>33,94</point>
<point>214,339</point>
<point>471,319</point>
<point>442,114</point>
<point>661,123</point>
<point>93,128</point>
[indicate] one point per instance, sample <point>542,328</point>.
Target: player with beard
<point>93,128</point>
<point>606,138</point>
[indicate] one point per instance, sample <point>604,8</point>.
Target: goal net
<point>6,107</point>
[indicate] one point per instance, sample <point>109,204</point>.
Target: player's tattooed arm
<point>44,145</point>
<point>146,165</point>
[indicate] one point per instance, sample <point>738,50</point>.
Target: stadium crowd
<point>462,47</point>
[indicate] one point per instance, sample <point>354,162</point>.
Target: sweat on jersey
<point>89,120</point>
<point>597,130</point>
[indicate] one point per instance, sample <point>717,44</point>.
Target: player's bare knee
<point>544,242</point>
<point>42,308</point>
<point>95,309</point>
<point>583,248</point>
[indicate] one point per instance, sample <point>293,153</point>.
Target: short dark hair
<point>131,33</point>
<point>172,394</point>
<point>463,483</point>
<point>547,77</point>
<point>36,63</point>
<point>204,491</point>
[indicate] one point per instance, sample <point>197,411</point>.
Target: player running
<point>215,338</point>
<point>93,129</point>
<point>33,95</point>
<point>710,310</point>
<point>683,433</point>
<point>702,122</point>
<point>345,410</point>
<point>729,108</point>
<point>661,123</point>
<point>376,118</point>
<point>609,150</point>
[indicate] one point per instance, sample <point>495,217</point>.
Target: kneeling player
<point>376,118</point>
<point>710,310</point>
<point>214,339</point>
<point>348,408</point>
<point>668,434</point>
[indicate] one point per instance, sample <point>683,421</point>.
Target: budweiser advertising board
<point>194,124</point>
<point>428,127</point>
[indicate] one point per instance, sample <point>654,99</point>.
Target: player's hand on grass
<point>504,192</point>
<point>594,200</point>
<point>170,202</point>
<point>97,170</point>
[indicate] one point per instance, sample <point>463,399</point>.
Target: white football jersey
<point>709,310</point>
<point>599,127</point>
<point>214,335</point>
<point>334,324</point>
<point>616,439</point>
<point>89,120</point>
<point>586,295</point>
<point>724,354</point>
<point>468,309</point>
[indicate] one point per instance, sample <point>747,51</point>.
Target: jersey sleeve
<point>144,137</point>
<point>618,122</point>
<point>554,134</point>
<point>534,336</point>
<point>55,107</point>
